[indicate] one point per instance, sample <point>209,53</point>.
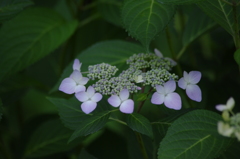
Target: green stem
<point>117,120</point>
<point>181,52</point>
<point>89,6</point>
<point>169,40</point>
<point>227,2</point>
<point>141,103</point>
<point>141,144</point>
<point>236,26</point>
<point>88,20</point>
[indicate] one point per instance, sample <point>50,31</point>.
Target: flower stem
<point>141,144</point>
<point>88,20</point>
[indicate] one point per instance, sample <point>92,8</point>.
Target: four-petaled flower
<point>165,94</point>
<point>228,106</point>
<point>126,105</point>
<point>75,83</point>
<point>188,82</point>
<point>89,99</point>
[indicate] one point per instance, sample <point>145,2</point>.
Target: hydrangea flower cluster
<point>230,126</point>
<point>144,70</point>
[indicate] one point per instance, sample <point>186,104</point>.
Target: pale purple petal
<point>83,80</point>
<point>124,94</point>
<point>194,92</point>
<point>194,77</point>
<point>185,76</point>
<point>157,98</point>
<point>68,86</point>
<point>158,53</point>
<point>221,107</point>
<point>174,63</point>
<point>76,65</point>
<point>82,96</point>
<point>114,100</point>
<point>182,83</point>
<point>96,97</point>
<point>173,101</point>
<point>90,91</point>
<point>230,103</point>
<point>160,89</point>
<point>127,106</point>
<point>169,86</point>
<point>80,88</point>
<point>88,106</point>
<point>76,76</point>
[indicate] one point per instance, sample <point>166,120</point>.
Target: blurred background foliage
<point>30,123</point>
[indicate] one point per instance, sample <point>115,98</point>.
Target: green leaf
<point>144,19</point>
<point>9,9</point>
<point>30,36</point>
<point>160,127</point>
<point>69,112</point>
<point>91,125</point>
<point>195,27</point>
<point>110,10</point>
<point>178,2</point>
<point>221,12</point>
<point>197,134</point>
<point>141,96</point>
<point>113,52</point>
<point>85,154</point>
<point>49,138</point>
<point>237,56</point>
<point>139,123</point>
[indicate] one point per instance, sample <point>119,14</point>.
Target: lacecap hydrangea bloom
<point>145,70</point>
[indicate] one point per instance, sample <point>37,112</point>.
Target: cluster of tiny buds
<point>101,71</point>
<point>143,61</point>
<point>114,85</point>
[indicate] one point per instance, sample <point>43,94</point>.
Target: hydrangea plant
<point>119,79</point>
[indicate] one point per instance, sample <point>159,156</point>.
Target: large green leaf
<point>178,2</point>
<point>50,137</point>
<point>91,125</point>
<point>195,27</point>
<point>10,8</point>
<point>193,135</point>
<point>110,10</point>
<point>139,123</point>
<point>30,36</point>
<point>221,12</point>
<point>160,127</point>
<point>144,19</point>
<point>114,52</point>
<point>69,112</point>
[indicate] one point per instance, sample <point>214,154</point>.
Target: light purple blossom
<point>73,84</point>
<point>126,105</point>
<point>159,54</point>
<point>165,94</point>
<point>188,82</point>
<point>89,99</point>
<point>77,65</point>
